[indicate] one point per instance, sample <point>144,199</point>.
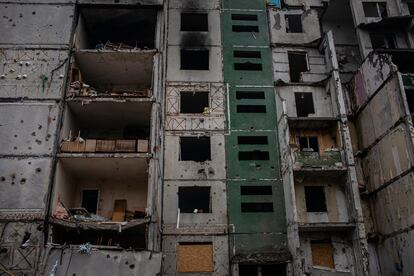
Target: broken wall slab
<point>209,170</point>
<point>24,183</point>
<point>393,207</point>
<point>389,158</point>
<point>32,74</point>
<point>70,261</point>
<point>278,26</point>
<point>38,25</point>
<point>381,113</point>
<point>220,254</point>
<point>218,206</point>
<point>28,128</point>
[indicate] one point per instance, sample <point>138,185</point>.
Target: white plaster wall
<point>208,170</point>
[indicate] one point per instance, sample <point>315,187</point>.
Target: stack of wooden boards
<point>95,145</point>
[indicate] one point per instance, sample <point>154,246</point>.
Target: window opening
<point>244,17</point>
<point>255,190</point>
<point>304,104</point>
<point>309,144</point>
<point>194,22</point>
<point>382,41</point>
<point>293,23</point>
<point>257,207</point>
<point>90,200</point>
<point>245,29</point>
<point>298,63</point>
<point>252,140</point>
<point>195,149</point>
<point>315,199</point>
<point>194,199</point>
<point>247,54</point>
<point>253,155</point>
<point>375,9</point>
<point>194,59</point>
<point>249,95</point>
<point>193,102</point>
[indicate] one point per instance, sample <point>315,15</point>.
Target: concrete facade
<point>189,137</point>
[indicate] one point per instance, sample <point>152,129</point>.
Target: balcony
<point>329,158</point>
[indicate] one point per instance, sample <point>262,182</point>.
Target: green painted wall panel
<point>252,169</point>
<point>252,121</point>
<point>257,222</point>
<point>260,38</point>
<point>232,76</point>
<point>264,243</point>
<point>244,4</point>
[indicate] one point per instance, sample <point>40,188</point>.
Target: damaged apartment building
<point>222,137</point>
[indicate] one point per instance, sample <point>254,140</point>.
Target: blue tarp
<point>274,3</point>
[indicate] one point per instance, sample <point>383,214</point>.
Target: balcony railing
<point>329,158</point>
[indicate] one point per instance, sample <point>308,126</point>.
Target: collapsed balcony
<point>106,127</point>
<point>315,144</point>
<point>101,201</point>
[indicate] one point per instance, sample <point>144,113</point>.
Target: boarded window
<point>90,200</point>
<point>195,257</point>
<point>194,59</point>
<point>293,23</point>
<point>194,199</point>
<point>375,9</point>
<point>322,254</point>
<point>382,40</point>
<point>191,102</point>
<point>250,95</point>
<point>315,199</point>
<point>195,149</point>
<point>309,144</point>
<point>298,63</point>
<point>194,22</point>
<point>304,104</point>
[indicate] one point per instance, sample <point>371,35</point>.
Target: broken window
<point>195,257</point>
<point>245,29</point>
<point>257,207</point>
<point>293,23</point>
<point>252,140</point>
<point>263,270</point>
<point>322,254</point>
<point>315,199</point>
<point>112,28</point>
<point>254,155</point>
<point>304,104</point>
<point>90,200</point>
<point>195,149</point>
<point>298,63</point>
<point>194,22</point>
<point>255,190</point>
<point>244,17</point>
<point>309,144</point>
<point>251,109</point>
<point>194,59</point>
<point>375,9</point>
<point>193,102</point>
<point>382,40</point>
<point>194,199</point>
<point>250,95</point>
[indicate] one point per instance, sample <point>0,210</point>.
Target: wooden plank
<point>90,145</point>
<point>322,254</point>
<point>119,210</point>
<point>142,145</point>
<point>195,257</point>
<point>125,145</point>
<point>72,146</point>
<point>105,145</point>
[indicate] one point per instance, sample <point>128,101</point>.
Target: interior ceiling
<point>111,114</point>
<point>106,168</point>
<point>119,68</point>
